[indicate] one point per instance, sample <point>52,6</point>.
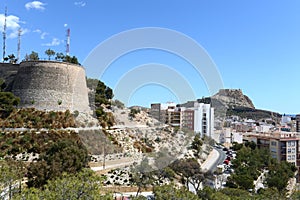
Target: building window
<point>292,143</point>
<point>273,150</point>
<point>289,150</point>
<point>293,150</point>
<point>289,157</point>
<point>273,143</point>
<point>293,157</point>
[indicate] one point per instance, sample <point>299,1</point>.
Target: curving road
<point>216,157</point>
<point>220,160</point>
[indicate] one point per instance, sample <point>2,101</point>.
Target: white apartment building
<point>199,117</point>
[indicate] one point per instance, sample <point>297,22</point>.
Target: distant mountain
<point>255,114</point>
<point>229,102</point>
<point>139,108</point>
<point>233,98</point>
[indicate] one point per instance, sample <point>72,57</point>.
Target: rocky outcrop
<point>231,98</point>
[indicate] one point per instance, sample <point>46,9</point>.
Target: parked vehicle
<point>226,162</point>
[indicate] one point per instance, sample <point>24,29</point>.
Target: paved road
<point>132,194</point>
<point>220,160</point>
<point>216,157</point>
<point>113,166</point>
<point>210,161</point>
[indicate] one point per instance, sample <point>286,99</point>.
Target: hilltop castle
<point>47,85</point>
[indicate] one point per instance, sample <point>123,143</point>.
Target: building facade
<point>283,146</point>
<point>298,123</point>
<point>198,117</point>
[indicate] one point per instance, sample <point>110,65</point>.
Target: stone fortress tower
<point>51,85</point>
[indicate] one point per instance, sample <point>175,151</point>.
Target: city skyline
<point>254,45</point>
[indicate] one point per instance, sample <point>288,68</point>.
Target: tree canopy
<point>70,59</point>
<point>11,58</point>
<point>63,156</point>
<point>251,162</point>
<point>49,53</point>
<point>190,172</point>
<point>100,96</point>
<point>170,192</point>
<point>8,102</point>
<point>33,56</point>
<point>83,185</point>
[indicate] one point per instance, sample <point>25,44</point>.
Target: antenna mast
<point>19,43</point>
<point>68,43</point>
<point>4,33</point>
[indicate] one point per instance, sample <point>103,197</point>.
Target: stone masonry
<point>51,85</point>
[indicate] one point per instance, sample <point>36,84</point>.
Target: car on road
<point>226,162</point>
<point>225,149</point>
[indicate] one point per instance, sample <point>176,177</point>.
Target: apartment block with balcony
<point>198,117</point>
<point>188,119</point>
<point>161,112</point>
<point>283,146</point>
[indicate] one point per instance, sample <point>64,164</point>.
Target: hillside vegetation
<point>251,113</point>
<point>100,98</point>
<point>13,143</point>
<point>32,118</point>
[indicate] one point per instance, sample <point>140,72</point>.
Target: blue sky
<point>254,44</point>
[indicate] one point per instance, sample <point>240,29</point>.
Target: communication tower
<point>19,44</point>
<point>68,43</point>
<point>4,33</point>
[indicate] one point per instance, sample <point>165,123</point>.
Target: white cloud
<point>12,22</point>
<point>35,5</point>
<point>42,34</point>
<point>65,25</point>
<point>24,31</point>
<point>12,25</point>
<point>14,34</point>
<point>55,42</point>
<point>37,31</point>
<point>80,3</point>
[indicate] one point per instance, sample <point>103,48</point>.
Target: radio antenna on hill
<point>68,42</point>
<point>4,33</point>
<point>19,44</point>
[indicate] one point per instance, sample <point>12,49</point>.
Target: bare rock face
<point>233,98</point>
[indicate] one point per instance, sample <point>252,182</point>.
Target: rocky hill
<point>229,102</point>
<point>255,114</point>
<point>233,98</point>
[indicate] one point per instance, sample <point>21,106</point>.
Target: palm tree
<point>49,53</point>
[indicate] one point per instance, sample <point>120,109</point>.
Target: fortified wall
<point>51,85</point>
<point>8,73</point>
